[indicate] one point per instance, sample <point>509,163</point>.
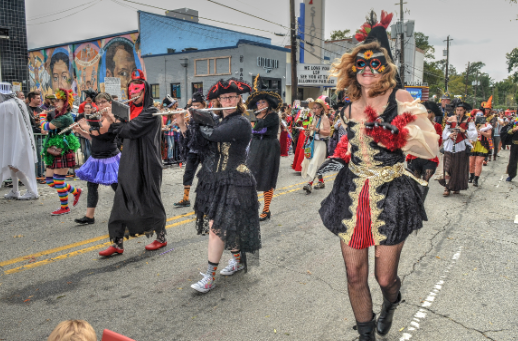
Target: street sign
<point>315,75</point>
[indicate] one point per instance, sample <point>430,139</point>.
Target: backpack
<point>506,136</point>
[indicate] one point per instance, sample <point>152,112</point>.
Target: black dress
<point>226,191</point>
<point>264,158</point>
<point>364,209</point>
<point>137,205</point>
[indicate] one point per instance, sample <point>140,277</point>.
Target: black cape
<point>137,205</point>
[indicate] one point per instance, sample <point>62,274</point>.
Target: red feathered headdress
<point>372,21</point>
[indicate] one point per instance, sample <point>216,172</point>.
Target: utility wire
<point>54,13</point>
<point>66,16</point>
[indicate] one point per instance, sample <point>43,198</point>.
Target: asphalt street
<point>459,272</point>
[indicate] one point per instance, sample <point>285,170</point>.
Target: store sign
<point>267,63</point>
<point>416,93</point>
<point>315,75</point>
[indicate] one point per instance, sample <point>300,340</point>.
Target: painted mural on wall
<point>85,65</point>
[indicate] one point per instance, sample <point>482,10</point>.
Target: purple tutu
<point>100,171</point>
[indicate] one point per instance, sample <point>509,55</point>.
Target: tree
<point>512,63</point>
<point>339,35</point>
<point>421,41</point>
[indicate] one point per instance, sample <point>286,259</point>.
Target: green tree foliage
<point>512,63</point>
<point>421,41</point>
<point>339,35</point>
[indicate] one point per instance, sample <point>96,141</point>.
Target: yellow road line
<point>95,247</point>
<point>76,253</point>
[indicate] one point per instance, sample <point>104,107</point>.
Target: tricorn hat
<point>197,97</point>
<point>228,86</point>
<point>433,107</point>
<point>274,99</point>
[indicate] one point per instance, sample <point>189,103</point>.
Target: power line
<point>67,16</point>
<point>66,10</point>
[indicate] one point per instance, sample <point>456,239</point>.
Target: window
<point>216,66</point>
<point>155,90</point>
<point>176,90</point>
<point>269,84</point>
<point>197,87</point>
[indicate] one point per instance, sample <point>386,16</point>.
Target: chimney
<point>183,14</point>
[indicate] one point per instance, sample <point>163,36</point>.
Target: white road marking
<point>498,184</point>
<point>516,219</point>
<point>421,313</point>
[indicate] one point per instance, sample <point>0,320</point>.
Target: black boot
<point>475,181</point>
<point>471,176</point>
<point>387,314</point>
<point>367,329</point>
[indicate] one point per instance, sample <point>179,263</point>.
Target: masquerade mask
<point>374,59</point>
<point>135,89</point>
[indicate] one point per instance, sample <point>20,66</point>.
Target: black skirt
<point>456,166</point>
<point>264,160</point>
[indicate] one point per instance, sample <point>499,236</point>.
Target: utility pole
<point>402,57</point>
<point>466,82</point>
<point>446,80</point>
<point>476,86</point>
<point>294,80</point>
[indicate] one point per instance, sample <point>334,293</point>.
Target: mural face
<point>84,66</point>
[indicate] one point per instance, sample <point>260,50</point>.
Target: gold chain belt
<point>385,174</point>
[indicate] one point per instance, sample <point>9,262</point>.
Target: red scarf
<point>135,110</point>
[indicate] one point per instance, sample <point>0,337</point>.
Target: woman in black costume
<point>264,158</point>
<point>137,205</point>
<point>226,192</point>
<point>374,201</point>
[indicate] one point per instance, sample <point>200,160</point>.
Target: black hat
<point>432,106</point>
<point>372,30</point>
<point>197,97</point>
<point>91,94</point>
<point>274,99</point>
<point>458,103</point>
<point>167,103</point>
<point>228,86</point>
<point>340,104</point>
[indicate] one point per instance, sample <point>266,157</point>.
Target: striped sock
<point>268,195</point>
<point>61,186</point>
<point>50,181</point>
<point>70,189</point>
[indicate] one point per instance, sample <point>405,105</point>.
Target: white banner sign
<point>112,85</point>
<point>315,75</point>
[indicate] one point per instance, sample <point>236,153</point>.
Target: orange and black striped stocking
<point>268,195</point>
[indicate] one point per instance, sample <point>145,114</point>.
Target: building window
<point>217,66</point>
<point>155,90</point>
<point>176,90</point>
<point>269,84</point>
<point>197,87</point>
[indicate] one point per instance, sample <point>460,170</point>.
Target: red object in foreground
<point>61,211</point>
<point>155,245</point>
<point>110,251</point>
<point>77,196</point>
<point>108,335</point>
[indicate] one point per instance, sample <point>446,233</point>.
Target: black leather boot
<point>367,329</point>
<point>475,181</point>
<point>386,315</point>
<point>471,176</point>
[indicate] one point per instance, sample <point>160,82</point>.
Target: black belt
<point>261,137</point>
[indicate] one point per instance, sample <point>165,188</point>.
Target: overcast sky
<point>481,30</point>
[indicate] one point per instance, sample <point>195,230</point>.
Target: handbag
<point>468,148</point>
<point>54,151</point>
<point>309,148</point>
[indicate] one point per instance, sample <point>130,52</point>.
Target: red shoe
<point>76,196</point>
<point>155,245</point>
<point>110,251</point>
<point>61,211</point>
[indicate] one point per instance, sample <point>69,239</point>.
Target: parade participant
<point>284,140</point>
<point>33,105</point>
<point>511,137</point>
<point>226,191</point>
<point>102,167</point>
<point>457,134</point>
<point>193,157</point>
<point>90,97</point>
<point>423,168</point>
<point>18,148</point>
<point>497,142</point>
<point>58,151</point>
<point>301,123</point>
<point>264,157</point>
<point>486,108</point>
<point>137,205</point>
<point>445,106</point>
<point>374,201</point>
<point>316,144</point>
<point>49,102</point>
<point>337,129</point>
<point>168,129</point>
<point>481,147</point>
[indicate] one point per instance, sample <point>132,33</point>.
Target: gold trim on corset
<point>243,169</point>
<point>223,148</point>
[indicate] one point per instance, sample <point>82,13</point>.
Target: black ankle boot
<point>475,181</point>
<point>471,176</point>
<point>367,329</point>
<point>386,315</point>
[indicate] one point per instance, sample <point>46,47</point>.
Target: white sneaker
<point>205,284</point>
<point>232,268</point>
<point>12,195</point>
<point>29,196</point>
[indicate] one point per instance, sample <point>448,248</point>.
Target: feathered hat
<point>488,104</point>
<point>433,107</point>
<point>372,30</point>
<point>65,95</point>
<point>90,93</point>
<point>228,86</point>
<point>274,99</point>
<point>322,100</point>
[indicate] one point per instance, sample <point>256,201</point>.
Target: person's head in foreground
<point>73,330</point>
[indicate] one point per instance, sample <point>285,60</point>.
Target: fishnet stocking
<point>357,268</point>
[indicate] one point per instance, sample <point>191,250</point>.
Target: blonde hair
<point>343,70</point>
<point>73,330</point>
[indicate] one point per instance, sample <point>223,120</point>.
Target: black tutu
<point>402,209</point>
<point>264,160</point>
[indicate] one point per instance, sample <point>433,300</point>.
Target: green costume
<point>68,141</point>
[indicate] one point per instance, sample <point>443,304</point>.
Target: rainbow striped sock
<point>50,181</point>
<point>61,186</point>
<point>71,190</point>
